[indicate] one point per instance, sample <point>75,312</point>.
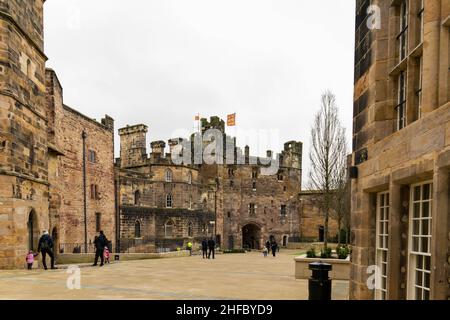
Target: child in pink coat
<point>30,259</point>
<point>106,255</point>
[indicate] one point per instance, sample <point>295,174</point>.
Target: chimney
<point>158,147</point>
<point>247,152</point>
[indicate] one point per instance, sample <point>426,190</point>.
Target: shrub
<point>343,251</point>
<point>325,253</point>
<point>311,253</point>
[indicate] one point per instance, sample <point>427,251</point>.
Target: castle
<point>233,202</point>
<point>58,172</point>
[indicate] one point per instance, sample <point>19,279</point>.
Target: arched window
<point>29,68</point>
<point>137,229</point>
<point>169,202</point>
<point>168,229</point>
<point>190,230</point>
<point>169,175</point>
<point>190,202</point>
<point>190,177</point>
<point>137,198</point>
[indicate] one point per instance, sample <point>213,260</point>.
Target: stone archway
<point>251,236</point>
<point>32,231</point>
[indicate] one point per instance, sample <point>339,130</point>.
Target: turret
<point>133,151</point>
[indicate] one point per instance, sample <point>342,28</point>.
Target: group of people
<point>271,246</point>
<point>208,248</point>
<point>46,247</point>
<point>102,250</point>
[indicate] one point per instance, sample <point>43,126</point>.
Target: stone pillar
<point>395,240</point>
<point>440,234</point>
<point>432,33</point>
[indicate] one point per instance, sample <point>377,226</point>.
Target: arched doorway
<point>251,236</point>
<point>285,240</point>
<point>33,231</point>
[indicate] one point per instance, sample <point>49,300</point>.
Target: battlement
<point>136,129</point>
<point>213,123</point>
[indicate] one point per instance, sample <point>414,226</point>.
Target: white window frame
<point>169,175</point>
<point>382,243</point>
<point>403,32</point>
<point>401,101</point>
<point>418,254</point>
<point>169,200</point>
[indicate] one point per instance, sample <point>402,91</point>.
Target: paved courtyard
<point>231,276</point>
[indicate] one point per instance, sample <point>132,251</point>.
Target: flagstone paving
<point>229,277</point>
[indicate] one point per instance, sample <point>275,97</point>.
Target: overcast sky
<point>160,62</point>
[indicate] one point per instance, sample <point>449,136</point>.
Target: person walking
<point>30,259</point>
<point>274,246</point>
<point>107,255</point>
<point>189,247</point>
<point>265,252</point>
<point>100,243</point>
<point>211,247</point>
<point>45,247</point>
<point>205,248</point>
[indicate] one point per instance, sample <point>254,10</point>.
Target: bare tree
<point>341,203</point>
<point>327,144</point>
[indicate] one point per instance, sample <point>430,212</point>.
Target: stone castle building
<point>400,186</point>
<point>234,203</point>
<point>41,147</point>
<point>58,172</point>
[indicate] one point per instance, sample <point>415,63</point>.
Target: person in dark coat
<point>211,247</point>
<point>274,247</point>
<point>45,247</point>
<point>205,248</point>
<point>268,246</point>
<point>100,242</point>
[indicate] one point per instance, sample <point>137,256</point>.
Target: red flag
<point>231,120</point>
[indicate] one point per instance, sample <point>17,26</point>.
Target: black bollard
<point>319,284</point>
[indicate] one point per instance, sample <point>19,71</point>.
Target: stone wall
<point>23,132</point>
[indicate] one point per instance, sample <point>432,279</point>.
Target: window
<point>419,88</point>
<point>231,183</point>
<point>190,230</point>
<point>168,229</point>
<point>190,177</point>
<point>137,229</point>
<point>252,209</point>
<point>29,68</point>
<point>190,202</point>
<point>420,15</point>
<point>92,156</point>
<point>137,198</point>
<point>401,106</point>
<point>280,177</point>
<point>94,192</point>
<point>169,176</point>
<point>382,247</point>
<point>402,37</point>
<point>419,271</point>
<point>169,202</point>
<point>230,173</point>
<point>98,222</point>
<point>229,215</point>
<point>255,173</point>
<point>283,211</point>
<point>254,186</point>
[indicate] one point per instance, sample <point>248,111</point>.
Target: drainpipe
<point>84,136</point>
